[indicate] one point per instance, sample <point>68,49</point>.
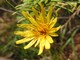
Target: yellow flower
<point>40,30</point>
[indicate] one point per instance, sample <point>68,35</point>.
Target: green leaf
<point>70,39</point>
<point>67,42</point>
<point>73,48</point>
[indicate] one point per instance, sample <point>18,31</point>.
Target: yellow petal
<point>43,11</point>
<point>53,22</point>
<point>25,14</point>
<point>27,26</point>
<point>24,33</point>
<point>19,32</point>
<point>30,44</point>
<point>23,40</point>
<point>47,45</point>
<point>42,40</point>
<point>49,39</point>
<point>41,19</point>
<point>31,19</point>
<point>52,30</point>
<point>49,13</point>
<point>41,48</point>
<point>35,12</point>
<point>38,41</point>
<point>54,34</point>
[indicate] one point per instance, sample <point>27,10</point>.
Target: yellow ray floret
<point>40,31</point>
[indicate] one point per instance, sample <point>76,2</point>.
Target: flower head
<point>40,30</point>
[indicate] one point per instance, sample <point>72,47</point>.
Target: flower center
<point>43,29</point>
<point>42,32</point>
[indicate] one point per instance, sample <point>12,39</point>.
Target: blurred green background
<point>66,46</point>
